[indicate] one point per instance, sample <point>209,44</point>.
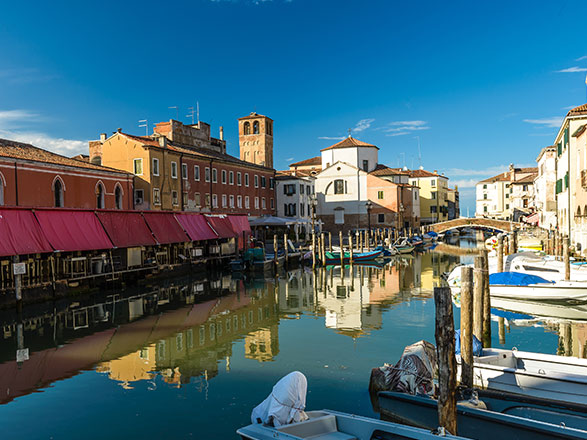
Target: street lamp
<point>368,205</point>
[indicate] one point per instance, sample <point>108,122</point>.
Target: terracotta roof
<point>349,142</point>
<point>581,110</point>
<point>307,162</point>
<point>529,174</point>
<point>424,173</point>
<point>254,115</point>
<point>194,151</point>
<point>526,179</point>
<point>384,170</point>
<point>291,174</point>
<point>19,150</point>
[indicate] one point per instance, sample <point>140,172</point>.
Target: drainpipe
<point>15,184</point>
<point>181,183</point>
<point>211,203</point>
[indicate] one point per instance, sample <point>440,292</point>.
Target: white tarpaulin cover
<point>286,402</point>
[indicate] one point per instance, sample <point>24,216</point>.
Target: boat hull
<point>533,374</point>
<point>472,422</point>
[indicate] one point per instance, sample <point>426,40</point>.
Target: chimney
<point>435,171</point>
<point>162,141</point>
<point>102,137</point>
<point>221,133</point>
<point>119,130</point>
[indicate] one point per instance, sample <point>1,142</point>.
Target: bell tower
<point>255,137</point>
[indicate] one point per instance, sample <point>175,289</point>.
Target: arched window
<point>247,128</point>
<point>58,192</point>
<point>100,196</point>
<point>118,197</point>
<point>256,127</point>
<point>269,128</point>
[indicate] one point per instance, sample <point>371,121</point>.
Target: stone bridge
<point>488,223</point>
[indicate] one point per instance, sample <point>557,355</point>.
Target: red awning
<point>196,226</point>
<point>126,229</point>
<point>69,231</point>
<point>240,224</point>
<point>533,219</point>
<point>221,225</point>
<point>21,234</point>
<point>165,227</point>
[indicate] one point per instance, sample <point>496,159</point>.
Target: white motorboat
<point>533,374</point>
<point>543,266</point>
<point>571,312</point>
<point>333,425</point>
<point>516,285</point>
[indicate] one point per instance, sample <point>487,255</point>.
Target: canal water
<point>190,358</point>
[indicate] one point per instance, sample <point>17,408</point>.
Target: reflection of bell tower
<point>255,136</point>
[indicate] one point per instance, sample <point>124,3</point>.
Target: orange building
<point>33,177</point>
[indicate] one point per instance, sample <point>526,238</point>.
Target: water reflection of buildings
<point>177,331</point>
<point>352,301</point>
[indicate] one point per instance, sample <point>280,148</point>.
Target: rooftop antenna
<point>419,152</point>
<point>191,114</point>
<point>144,123</point>
<point>176,112</point>
<point>404,156</point>
<point>350,130</point>
<point>198,111</point>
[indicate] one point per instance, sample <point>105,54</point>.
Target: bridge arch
<point>501,225</point>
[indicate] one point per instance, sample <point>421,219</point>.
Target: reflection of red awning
<point>21,234</point>
<point>165,227</point>
<point>221,225</point>
<point>69,231</point>
<point>126,229</point>
<point>533,219</point>
<point>196,226</point>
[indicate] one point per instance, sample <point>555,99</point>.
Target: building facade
<point>255,135</point>
<point>350,177</point>
<point>433,195</point>
<point>508,195</point>
<point>294,192</point>
<point>33,177</point>
<point>194,175</point>
<point>544,188</point>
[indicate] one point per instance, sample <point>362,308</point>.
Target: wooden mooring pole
<point>350,248</point>
<point>285,248</point>
<point>17,279</point>
<point>329,241</point>
<point>341,250</point>
<point>467,326</point>
<point>486,303</point>
<point>478,298</point>
<point>500,253</point>
<point>567,258</point>
<point>445,346</point>
<point>323,249</point>
<point>313,250</point>
<point>275,250</point>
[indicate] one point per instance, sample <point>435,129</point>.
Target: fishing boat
<point>256,260</point>
<point>430,236</point>
<point>538,375</point>
<point>516,285</point>
<point>334,425</point>
<point>543,266</point>
<point>403,246</point>
<point>333,258</point>
<point>573,312</point>
<point>476,420</point>
<point>416,240</point>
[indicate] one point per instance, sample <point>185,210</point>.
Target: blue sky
<point>482,84</point>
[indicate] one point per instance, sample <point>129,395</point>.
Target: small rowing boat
<point>333,258</point>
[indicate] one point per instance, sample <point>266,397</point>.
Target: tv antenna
<point>176,111</point>
<point>144,123</point>
<point>191,114</point>
<point>419,152</point>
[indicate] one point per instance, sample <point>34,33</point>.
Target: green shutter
<point>559,186</point>
<point>566,180</point>
<point>566,137</point>
<point>560,148</point>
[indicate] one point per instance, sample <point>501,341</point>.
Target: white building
<point>544,188</point>
<point>294,191</point>
<point>506,195</point>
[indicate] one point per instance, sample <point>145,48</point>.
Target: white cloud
<point>483,172</point>
<point>12,123</point>
<point>464,183</point>
<point>400,128</point>
<point>24,76</point>
<point>332,138</point>
<point>553,122</point>
<point>572,70</point>
<point>584,57</point>
<point>569,107</point>
<point>289,159</point>
<point>363,124</point>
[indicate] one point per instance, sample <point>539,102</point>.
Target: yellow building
<point>433,195</point>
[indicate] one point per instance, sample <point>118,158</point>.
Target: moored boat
<point>475,422</point>
<point>538,375</point>
<point>333,258</point>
